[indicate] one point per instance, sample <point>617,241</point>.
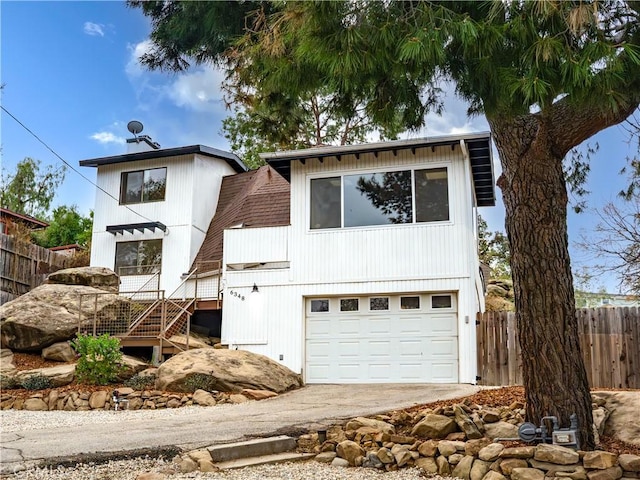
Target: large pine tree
<point>546,74</point>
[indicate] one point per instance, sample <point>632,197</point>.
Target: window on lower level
<point>143,186</point>
<point>141,257</point>
<point>380,198</point>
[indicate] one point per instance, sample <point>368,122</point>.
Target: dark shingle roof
<point>259,198</point>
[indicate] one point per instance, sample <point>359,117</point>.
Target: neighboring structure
<point>68,250</point>
<point>23,265</point>
<point>159,207</point>
<point>10,221</point>
<point>600,299</point>
<point>348,264</point>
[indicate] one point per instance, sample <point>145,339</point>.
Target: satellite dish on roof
<point>135,127</point>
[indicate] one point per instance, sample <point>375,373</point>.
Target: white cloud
<point>133,68</point>
<point>198,90</point>
<point>106,138</point>
<point>93,29</point>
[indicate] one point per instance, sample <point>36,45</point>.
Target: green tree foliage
<point>547,75</point>
<point>493,250</point>
<point>199,32</point>
<point>29,190</point>
<point>67,226</point>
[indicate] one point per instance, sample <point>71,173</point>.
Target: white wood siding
<point>395,259</point>
<point>420,250</point>
<point>255,245</point>
<point>191,196</point>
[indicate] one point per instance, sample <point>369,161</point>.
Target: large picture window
<point>138,258</point>
<point>380,198</point>
<point>143,186</point>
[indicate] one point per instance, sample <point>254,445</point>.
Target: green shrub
<point>141,382</point>
<point>100,358</point>
<point>200,381</point>
<point>36,382</point>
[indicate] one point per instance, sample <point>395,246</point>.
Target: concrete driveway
<point>309,407</point>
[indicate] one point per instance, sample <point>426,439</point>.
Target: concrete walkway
<point>309,407</point>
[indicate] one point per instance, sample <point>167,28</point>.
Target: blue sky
<point>71,75</point>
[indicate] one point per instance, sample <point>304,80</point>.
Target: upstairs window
<point>380,198</point>
<point>143,186</point>
<point>138,258</point>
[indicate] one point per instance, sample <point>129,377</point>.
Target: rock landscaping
<point>457,440</point>
<point>80,399</point>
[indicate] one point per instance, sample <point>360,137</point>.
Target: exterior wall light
<point>255,289</point>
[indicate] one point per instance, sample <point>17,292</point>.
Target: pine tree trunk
<point>535,198</point>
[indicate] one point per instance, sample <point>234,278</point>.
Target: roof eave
<point>481,158</point>
<point>231,159</point>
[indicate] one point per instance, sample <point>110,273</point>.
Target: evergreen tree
<point>547,75</point>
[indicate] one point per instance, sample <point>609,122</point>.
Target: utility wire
<point>68,164</point>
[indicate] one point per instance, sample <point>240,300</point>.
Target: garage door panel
<point>444,371</point>
<point>443,347</point>
<point>410,348</point>
<point>379,348</point>
<point>380,371</point>
<point>318,327</point>
<point>378,325</point>
<point>318,372</point>
<point>418,346</point>
<point>348,326</point>
<point>318,350</point>
<point>349,371</point>
<point>443,324</point>
<point>411,326</point>
<point>348,348</point>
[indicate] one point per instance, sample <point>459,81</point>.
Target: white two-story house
<point>153,207</point>
<point>350,264</point>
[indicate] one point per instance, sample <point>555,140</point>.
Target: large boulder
<point>225,370</point>
<point>59,376</point>
<point>96,277</point>
<point>51,313</point>
<point>623,415</point>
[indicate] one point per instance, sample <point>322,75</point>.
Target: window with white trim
<point>379,198</point>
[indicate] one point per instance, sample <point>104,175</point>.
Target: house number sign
<point>233,293</point>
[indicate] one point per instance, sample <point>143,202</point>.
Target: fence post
<point>95,313</point>
<point>79,312</point>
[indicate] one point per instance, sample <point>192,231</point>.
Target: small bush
<point>141,382</point>
<point>200,381</point>
<point>8,383</point>
<point>36,382</point>
<point>100,358</point>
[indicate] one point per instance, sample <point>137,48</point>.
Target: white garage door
<point>409,338</point>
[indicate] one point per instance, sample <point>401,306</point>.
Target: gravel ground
<point>129,470</point>
<point>21,420</point>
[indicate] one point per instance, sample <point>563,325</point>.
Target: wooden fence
<point>24,266</point>
<point>609,339</point>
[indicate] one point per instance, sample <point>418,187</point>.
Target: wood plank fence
<point>609,339</point>
<point>24,266</point>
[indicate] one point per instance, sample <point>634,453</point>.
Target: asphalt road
<point>308,408</point>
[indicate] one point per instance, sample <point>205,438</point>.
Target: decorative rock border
<point>78,400</point>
